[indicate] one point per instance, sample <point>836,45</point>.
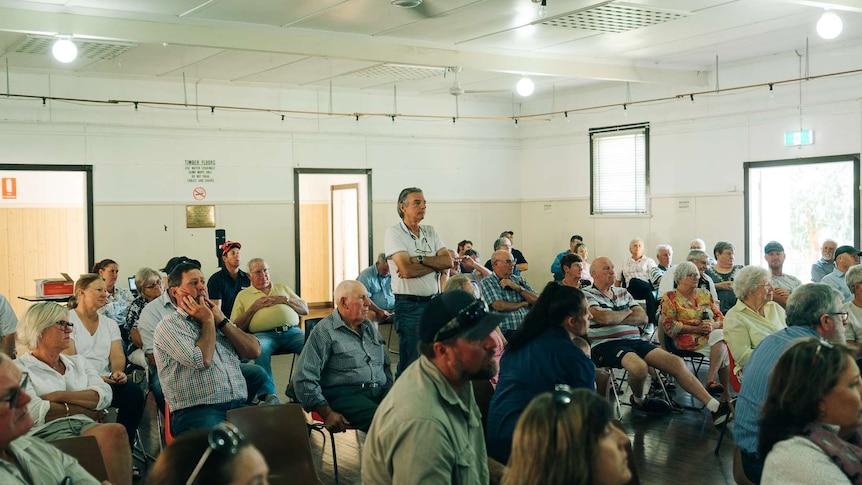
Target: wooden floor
<point>673,449</point>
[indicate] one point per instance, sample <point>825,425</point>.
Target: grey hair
<point>403,197</point>
<point>853,276</point>
<point>696,254</point>
<point>700,242</point>
<point>347,288</point>
<point>809,301</point>
<point>637,239</point>
<point>501,241</point>
<point>255,261</point>
<point>145,277</point>
<point>35,320</point>
<point>457,282</point>
<point>662,246</point>
<point>747,279</point>
<point>381,258</point>
<point>722,246</point>
<point>683,269</point>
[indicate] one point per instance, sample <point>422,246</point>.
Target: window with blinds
<point>619,169</point>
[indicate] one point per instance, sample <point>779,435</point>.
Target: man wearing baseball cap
<point>428,429</point>
<point>229,280</point>
<point>845,257</point>
<point>783,284</point>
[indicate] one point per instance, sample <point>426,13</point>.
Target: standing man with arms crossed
<point>416,257</point>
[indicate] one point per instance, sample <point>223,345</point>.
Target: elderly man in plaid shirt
<point>506,293</point>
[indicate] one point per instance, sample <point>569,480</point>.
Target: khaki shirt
<point>426,432</point>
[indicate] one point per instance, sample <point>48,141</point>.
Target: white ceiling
<point>318,42</point>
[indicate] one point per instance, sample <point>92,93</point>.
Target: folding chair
<point>309,324</point>
<point>85,449</point>
<point>280,433</point>
<point>317,424</point>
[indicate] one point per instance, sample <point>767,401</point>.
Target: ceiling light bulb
<point>64,50</point>
<point>525,86</point>
<point>829,26</point>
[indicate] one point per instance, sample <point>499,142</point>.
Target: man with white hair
<point>664,256</point>
<point>826,264</point>
<point>344,371</point>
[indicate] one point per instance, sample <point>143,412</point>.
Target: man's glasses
<point>468,316</point>
<point>842,315</point>
<point>224,438</point>
<point>64,324</point>
<point>12,398</point>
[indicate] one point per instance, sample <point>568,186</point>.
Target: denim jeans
<point>290,341</point>
<point>204,416</point>
<point>407,316</point>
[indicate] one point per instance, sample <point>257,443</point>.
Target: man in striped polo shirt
<point>615,342</point>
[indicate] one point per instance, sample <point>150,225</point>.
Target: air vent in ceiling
<point>399,72</point>
<point>87,48</point>
<point>614,17</point>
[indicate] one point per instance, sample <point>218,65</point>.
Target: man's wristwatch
<point>222,323</point>
<point>421,260</point>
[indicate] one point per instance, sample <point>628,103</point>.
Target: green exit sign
<point>796,138</point>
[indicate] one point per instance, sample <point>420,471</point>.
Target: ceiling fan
<point>456,90</point>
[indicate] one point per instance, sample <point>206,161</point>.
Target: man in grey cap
<point>845,257</point>
<point>428,429</point>
<point>783,284</point>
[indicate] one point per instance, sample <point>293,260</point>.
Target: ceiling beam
<point>333,45</point>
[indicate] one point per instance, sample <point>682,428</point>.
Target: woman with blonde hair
<point>566,437</point>
<point>97,338</point>
<point>68,396</point>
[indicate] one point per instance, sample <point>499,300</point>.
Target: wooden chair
<point>280,433</point>
<point>85,449</point>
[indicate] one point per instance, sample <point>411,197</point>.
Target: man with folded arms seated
<point>198,351</point>
<point>378,282</point>
<point>26,459</point>
<point>506,293</point>
<point>344,371</point>
<point>783,284</point>
<point>845,257</point>
<point>615,342</point>
<point>270,311</point>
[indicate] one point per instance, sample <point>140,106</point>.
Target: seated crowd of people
<point>205,347</point>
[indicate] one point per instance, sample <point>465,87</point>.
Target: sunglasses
<point>224,438</point>
<point>12,398</point>
<point>468,316</point>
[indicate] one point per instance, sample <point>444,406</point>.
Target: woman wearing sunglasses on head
<point>566,437</point>
<point>67,394</point>
<point>811,431</point>
<point>217,456</point>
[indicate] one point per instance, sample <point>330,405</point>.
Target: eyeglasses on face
<point>224,438</point>
<point>64,324</point>
<point>12,398</point>
<point>158,284</point>
<point>841,315</point>
<point>468,316</point>
<point>693,276</point>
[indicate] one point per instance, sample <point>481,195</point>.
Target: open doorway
<point>799,203</point>
<point>333,241</point>
<point>46,226</point>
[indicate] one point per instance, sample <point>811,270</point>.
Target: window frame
<point>629,129</point>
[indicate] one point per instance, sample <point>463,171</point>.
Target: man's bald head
<point>602,271</point>
<point>348,288</point>
<point>503,263</point>
<point>352,303</point>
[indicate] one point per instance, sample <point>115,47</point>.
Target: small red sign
<point>199,193</point>
<point>10,188</point>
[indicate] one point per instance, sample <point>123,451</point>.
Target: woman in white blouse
<point>97,338</point>
<point>68,395</point>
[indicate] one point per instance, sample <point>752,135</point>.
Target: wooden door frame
<point>88,174</point>
<point>327,171</point>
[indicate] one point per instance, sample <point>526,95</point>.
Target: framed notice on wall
<point>198,216</point>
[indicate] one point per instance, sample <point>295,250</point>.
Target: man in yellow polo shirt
<point>271,312</point>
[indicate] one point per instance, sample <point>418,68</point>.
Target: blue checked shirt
<point>336,355</point>
<point>491,292</point>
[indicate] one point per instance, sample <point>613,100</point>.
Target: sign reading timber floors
<point>200,171</point>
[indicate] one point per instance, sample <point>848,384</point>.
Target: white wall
<point>479,177</point>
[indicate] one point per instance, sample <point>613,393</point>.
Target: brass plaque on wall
<point>200,216</point>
